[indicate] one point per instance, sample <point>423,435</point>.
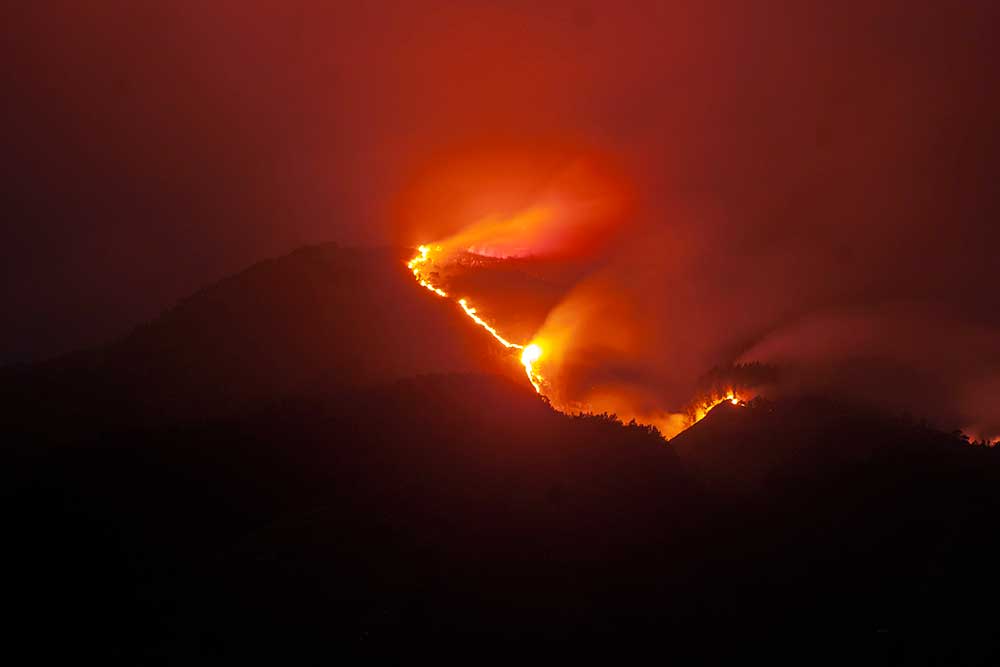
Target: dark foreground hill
<point>405,513</point>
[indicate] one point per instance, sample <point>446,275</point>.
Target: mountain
<point>170,500</point>
<point>321,314</point>
<point>743,449</point>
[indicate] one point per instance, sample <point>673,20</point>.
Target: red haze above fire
<point>539,201</point>
<point>805,183</point>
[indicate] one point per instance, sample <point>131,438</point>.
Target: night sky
<point>809,183</point>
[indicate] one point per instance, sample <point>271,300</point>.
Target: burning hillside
<point>530,353</point>
<point>429,267</point>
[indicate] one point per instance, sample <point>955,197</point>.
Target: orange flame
<point>529,356</point>
<point>471,312</point>
<point>701,410</point>
<point>413,265</point>
<point>530,353</point>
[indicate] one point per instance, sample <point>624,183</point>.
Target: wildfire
<point>471,312</point>
<point>530,353</point>
<point>529,356</point>
<point>414,264</point>
<point>701,410</point>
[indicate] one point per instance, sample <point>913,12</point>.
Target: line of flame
<point>530,354</point>
<point>471,312</point>
<point>731,396</point>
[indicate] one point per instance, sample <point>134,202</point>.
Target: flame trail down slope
<point>530,353</point>
<point>421,266</point>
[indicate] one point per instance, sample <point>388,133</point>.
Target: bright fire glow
<point>530,353</point>
<point>471,312</point>
<point>414,266</point>
<point>529,356</point>
<point>706,407</point>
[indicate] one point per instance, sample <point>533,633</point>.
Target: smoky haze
<point>810,184</point>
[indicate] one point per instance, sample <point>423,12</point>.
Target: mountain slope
<point>321,314</point>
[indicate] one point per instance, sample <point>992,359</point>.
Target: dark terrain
<point>314,459</point>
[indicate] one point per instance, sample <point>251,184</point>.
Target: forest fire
<point>706,406</point>
<point>532,352</point>
<point>525,252</point>
<point>529,356</point>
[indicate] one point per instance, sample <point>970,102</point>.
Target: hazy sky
<point>798,168</point>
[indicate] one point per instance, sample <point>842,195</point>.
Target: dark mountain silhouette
<point>310,509</point>
<point>321,314</point>
<point>743,448</point>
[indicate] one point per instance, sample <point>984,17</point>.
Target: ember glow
<point>533,352</point>
<point>414,266</point>
<point>530,353</point>
<point>706,406</point>
<point>471,312</point>
<point>582,338</point>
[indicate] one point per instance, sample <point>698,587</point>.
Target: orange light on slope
<point>530,354</point>
<point>702,410</point>
<point>414,266</point>
<point>471,312</point>
<point>533,352</point>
